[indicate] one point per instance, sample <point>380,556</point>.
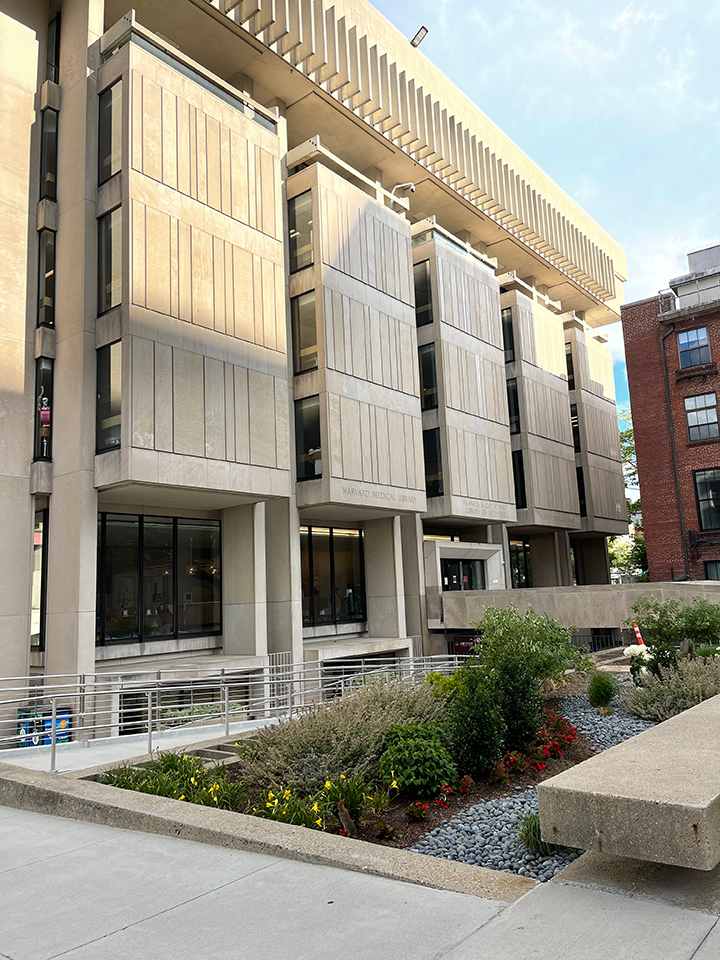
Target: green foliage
<point>627,447</point>
<point>286,807</point>
<point>353,791</point>
<point>674,690</point>
<point>602,688</point>
<point>181,778</point>
<point>446,686</point>
<point>700,622</point>
<point>475,724</point>
<point>344,737</point>
<point>419,765</point>
<point>529,834</point>
<point>706,652</point>
<point>658,620</point>
<point>417,812</point>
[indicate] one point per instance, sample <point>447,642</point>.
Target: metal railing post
<point>226,697</point>
<point>290,697</point>
<point>149,720</point>
<point>53,737</point>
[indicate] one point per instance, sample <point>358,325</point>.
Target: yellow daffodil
<point>315,808</point>
<point>270,794</point>
<point>319,822</point>
<point>327,784</point>
<point>286,795</point>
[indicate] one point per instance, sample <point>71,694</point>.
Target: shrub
<point>529,834</point>
<point>343,737</point>
<point>419,765</point>
<point>674,690</point>
<point>659,622</point>
<point>706,652</point>
<point>354,793</point>
<point>475,724</point>
<point>602,688</point>
<point>700,622</point>
<point>521,703</point>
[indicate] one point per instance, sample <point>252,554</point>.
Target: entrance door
<point>451,572</point>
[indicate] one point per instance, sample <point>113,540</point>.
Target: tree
<point>629,465</point>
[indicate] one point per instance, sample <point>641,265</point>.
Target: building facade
<point>295,341</point>
<point>672,345</point>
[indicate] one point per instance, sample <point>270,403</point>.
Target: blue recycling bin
<point>30,726</point>
<point>62,725</point>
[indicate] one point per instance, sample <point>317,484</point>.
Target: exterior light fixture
<point>402,186</point>
<point>419,37</point>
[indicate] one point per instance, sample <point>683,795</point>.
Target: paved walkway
<point>87,892</point>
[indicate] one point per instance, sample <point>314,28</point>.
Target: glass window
<point>423,293</point>
<point>433,462</point>
<point>43,408</point>
<point>198,576</point>
<point>120,569</point>
<point>570,366</point>
<point>304,332</point>
<point>307,438</point>
<point>513,405</point>
<point>702,418</point>
<point>110,260</point>
<point>333,578</point>
<point>110,133</point>
<point>53,50</point>
<point>48,155</point>
<point>428,377</point>
<point>301,231</point>
<point>508,335</point>
<point>109,392</point>
<point>581,491</point>
<point>520,569</point>
<point>575,426</point>
<point>693,347</point>
<point>46,279</point>
<point>39,582</point>
<point>462,574</point>
<point>712,569</point>
<point>707,492</point>
<point>519,479</point>
<point>158,577</point>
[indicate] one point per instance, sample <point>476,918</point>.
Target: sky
<point>618,102</point>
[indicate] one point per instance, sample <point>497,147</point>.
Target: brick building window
<point>707,493</point>
<point>702,418</point>
<point>712,569</point>
<point>693,347</point>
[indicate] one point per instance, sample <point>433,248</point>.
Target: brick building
<point>672,345</point>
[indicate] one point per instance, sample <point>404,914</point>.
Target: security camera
<point>402,186</point>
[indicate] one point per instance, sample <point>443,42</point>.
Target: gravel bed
<point>486,834</point>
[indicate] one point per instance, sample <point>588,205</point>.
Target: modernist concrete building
<point>294,340</point>
<point>672,345</point>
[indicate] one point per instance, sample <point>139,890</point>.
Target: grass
<point>529,834</point>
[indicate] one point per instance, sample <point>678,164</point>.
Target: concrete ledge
<point>655,797</point>
<point>77,799</point>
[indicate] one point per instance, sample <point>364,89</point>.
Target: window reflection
<point>304,332</point>
<point>158,586</point>
<point>333,583</point>
<point>198,576</point>
<point>301,231</point>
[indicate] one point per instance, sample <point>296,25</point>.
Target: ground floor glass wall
<point>333,581</point>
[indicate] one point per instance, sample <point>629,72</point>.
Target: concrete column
<point>544,561</point>
<point>591,560</point>
<point>411,532</point>
<point>384,578</point>
<point>283,578</point>
<point>562,540</point>
<point>498,533</point>
<point>72,528</point>
<point>244,584</point>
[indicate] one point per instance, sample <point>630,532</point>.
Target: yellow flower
<point>319,822</point>
<point>286,795</point>
<point>394,785</point>
<point>327,784</point>
<point>268,804</point>
<point>270,794</point>
<point>182,797</point>
<point>216,786</point>
<point>192,780</point>
<point>315,808</point>
<point>342,776</point>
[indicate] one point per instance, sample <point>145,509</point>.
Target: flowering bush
<point>417,812</point>
<point>444,799</point>
<point>417,760</point>
<point>286,807</point>
<point>354,793</point>
<point>554,737</point>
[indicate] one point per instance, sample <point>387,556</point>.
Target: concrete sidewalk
<point>91,892</point>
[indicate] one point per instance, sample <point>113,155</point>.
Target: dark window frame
<point>697,475</point>
<point>426,308</point>
<point>311,621</point>
<point>101,308</point>
<point>299,439</point>
<point>52,52</point>
<point>295,332</point>
<point>520,564</point>
<point>508,334</point>
<point>712,427</point>
<point>46,312</point>
<point>518,466</point>
<point>582,496</point>
<point>49,155</point>
<point>102,178</point>
<point>45,363</point>
<point>100,609</point>
<point>428,349</point>
<point>513,401</point>
<point>295,267</point>
<point>714,563</point>
<point>575,424</point>
<point>693,356</point>
<point>437,485</point>
<point>98,371</point>
<point>570,366</point>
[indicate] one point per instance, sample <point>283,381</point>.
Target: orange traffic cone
<point>638,635</point>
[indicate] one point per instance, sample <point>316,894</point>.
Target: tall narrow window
<point>301,231</point>
<point>508,335</point>
<point>575,426</point>
<point>520,568</point>
<point>158,581</point>
<point>707,493</point>
<point>519,479</point>
<point>304,332</point>
<point>570,366</point>
<point>53,50</point>
<point>581,491</point>
<point>109,393</point>
<point>307,438</point>
<point>46,279</point>
<point>513,405</point>
<point>712,569</point>
<point>39,581</point>
<point>433,462</point>
<point>333,578</point>
<point>198,546</point>
<point>110,260</point>
<point>693,347</point>
<point>702,418</point>
<point>43,408</point>
<point>110,132</point>
<point>428,377</point>
<point>48,155</point>
<point>120,572</point>
<point>423,293</point>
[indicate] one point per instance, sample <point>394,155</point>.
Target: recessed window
<point>46,279</point>
<point>300,221</point>
<point>333,575</point>
<point>702,418</point>
<point>513,405</point>
<point>520,566</point>
<point>48,155</point>
<point>508,335</point>
<point>433,462</point>
<point>109,393</point>
<point>707,493</point>
<point>462,574</point>
<point>110,133</point>
<point>307,438</point>
<point>570,366</point>
<point>693,347</point>
<point>575,426</point>
<point>43,408</point>
<point>581,491</point>
<point>519,479</point>
<point>423,293</point>
<point>110,260</point>
<point>428,377</point>
<point>712,569</point>
<point>304,332</point>
<point>158,577</point>
<point>53,50</point>
<point>39,581</point>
